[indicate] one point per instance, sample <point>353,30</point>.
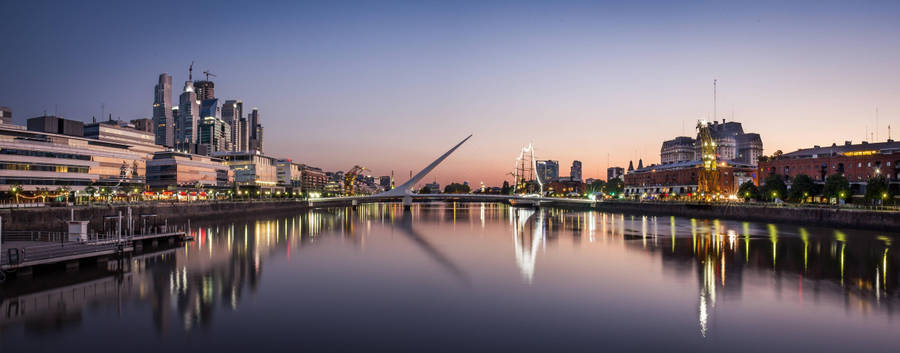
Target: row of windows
<point>31,181</point>
<point>31,153</point>
<point>44,168</point>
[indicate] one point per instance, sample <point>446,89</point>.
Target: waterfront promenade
<point>54,218</point>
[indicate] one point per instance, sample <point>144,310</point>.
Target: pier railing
<point>27,235</point>
<point>55,251</point>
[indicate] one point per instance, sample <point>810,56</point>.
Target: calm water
<point>479,277</point>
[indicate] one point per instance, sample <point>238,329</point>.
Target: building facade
<point>205,90</point>
<point>732,144</point>
<point>188,119</point>
<point>614,172</point>
<point>31,160</point>
<point>252,170</point>
<point>681,180</point>
<point>547,170</point>
<point>145,125</point>
<point>679,149</point>
<point>5,115</point>
<point>255,142</point>
<point>314,179</point>
<point>290,174</point>
<point>163,120</point>
<point>56,125</point>
<point>233,114</point>
<point>856,162</point>
<point>575,171</point>
<point>172,170</point>
<point>213,136</point>
<point>126,134</point>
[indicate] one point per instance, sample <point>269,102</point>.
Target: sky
<point>392,85</point>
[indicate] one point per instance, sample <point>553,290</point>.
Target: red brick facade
<point>857,169</point>
<point>683,180</point>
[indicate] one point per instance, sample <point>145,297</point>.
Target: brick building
<point>681,179</point>
<point>857,162</point>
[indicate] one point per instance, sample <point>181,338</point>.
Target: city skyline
<point>390,85</point>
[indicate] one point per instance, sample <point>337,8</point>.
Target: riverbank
<point>54,218</point>
<point>819,216</point>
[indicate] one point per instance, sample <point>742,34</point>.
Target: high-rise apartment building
<point>575,171</point>
<point>233,114</point>
<point>256,131</point>
<point>163,120</point>
<point>188,119</point>
<point>547,171</point>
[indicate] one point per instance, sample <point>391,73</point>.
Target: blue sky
<point>391,85</point>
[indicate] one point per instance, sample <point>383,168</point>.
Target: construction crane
<point>208,74</point>
<point>350,178</point>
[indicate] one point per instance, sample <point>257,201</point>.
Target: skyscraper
<point>205,90</point>
<point>214,134</point>
<point>163,120</point>
<point>575,171</point>
<point>188,118</point>
<point>547,170</point>
<point>256,131</point>
<point>233,114</point>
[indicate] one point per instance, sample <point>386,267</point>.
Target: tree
<point>614,187</point>
<point>836,187</point>
<point>801,188</point>
<point>777,154</point>
<point>596,186</point>
<point>89,191</point>
<point>774,188</point>
<point>425,190</point>
<point>878,190</point>
<point>457,188</point>
<point>748,191</point>
<point>506,190</point>
<point>15,190</point>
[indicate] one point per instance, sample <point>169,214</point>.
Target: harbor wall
<point>53,219</point>
<point>820,216</point>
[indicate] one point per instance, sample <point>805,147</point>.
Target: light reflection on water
<point>587,277</point>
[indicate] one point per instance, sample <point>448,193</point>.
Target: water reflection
<point>190,285</point>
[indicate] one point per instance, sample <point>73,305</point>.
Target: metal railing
<point>27,235</point>
<point>43,252</point>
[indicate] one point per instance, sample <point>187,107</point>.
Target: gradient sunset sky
<point>392,85</point>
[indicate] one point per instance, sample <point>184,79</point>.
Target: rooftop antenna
<point>191,72</point>
<point>876,124</point>
<point>715,98</point>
